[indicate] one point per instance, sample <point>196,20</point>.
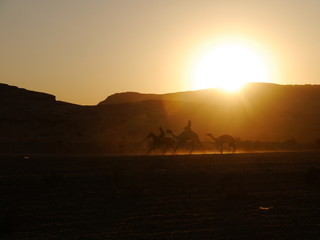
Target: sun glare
<point>229,67</point>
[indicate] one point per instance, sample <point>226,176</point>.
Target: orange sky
<point>82,51</point>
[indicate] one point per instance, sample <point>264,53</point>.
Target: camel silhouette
<point>220,141</point>
<point>160,142</point>
<point>187,136</point>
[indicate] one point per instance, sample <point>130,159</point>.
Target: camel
<point>185,137</point>
<point>220,141</point>
<point>160,142</point>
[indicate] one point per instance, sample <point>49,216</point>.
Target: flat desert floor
<point>246,196</point>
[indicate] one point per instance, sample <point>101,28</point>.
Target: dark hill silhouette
<point>33,122</point>
<point>15,95</point>
<point>189,96</point>
<point>129,97</point>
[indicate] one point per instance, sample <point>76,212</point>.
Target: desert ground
<point>212,196</point>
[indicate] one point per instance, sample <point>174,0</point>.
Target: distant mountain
<point>206,95</point>
<point>129,97</point>
<point>34,122</point>
<point>189,96</point>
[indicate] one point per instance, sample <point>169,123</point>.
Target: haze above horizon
<point>83,51</point>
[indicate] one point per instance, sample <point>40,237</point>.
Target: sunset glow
<point>84,51</point>
<point>229,67</point>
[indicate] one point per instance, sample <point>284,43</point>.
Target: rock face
<point>33,122</point>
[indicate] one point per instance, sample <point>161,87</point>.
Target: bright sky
<point>85,50</point>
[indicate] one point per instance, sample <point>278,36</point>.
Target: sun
<point>229,66</point>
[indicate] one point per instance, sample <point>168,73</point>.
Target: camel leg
<point>150,150</point>
<point>233,147</point>
<point>175,149</point>
<point>202,147</point>
<point>192,148</point>
<point>164,150</point>
<point>219,146</point>
<point>181,143</point>
<point>167,148</point>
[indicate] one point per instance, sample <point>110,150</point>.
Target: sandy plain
<point>212,196</point>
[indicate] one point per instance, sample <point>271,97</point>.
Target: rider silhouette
<point>188,127</point>
<point>162,133</point>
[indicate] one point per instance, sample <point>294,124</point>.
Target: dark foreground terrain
<point>247,196</point>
